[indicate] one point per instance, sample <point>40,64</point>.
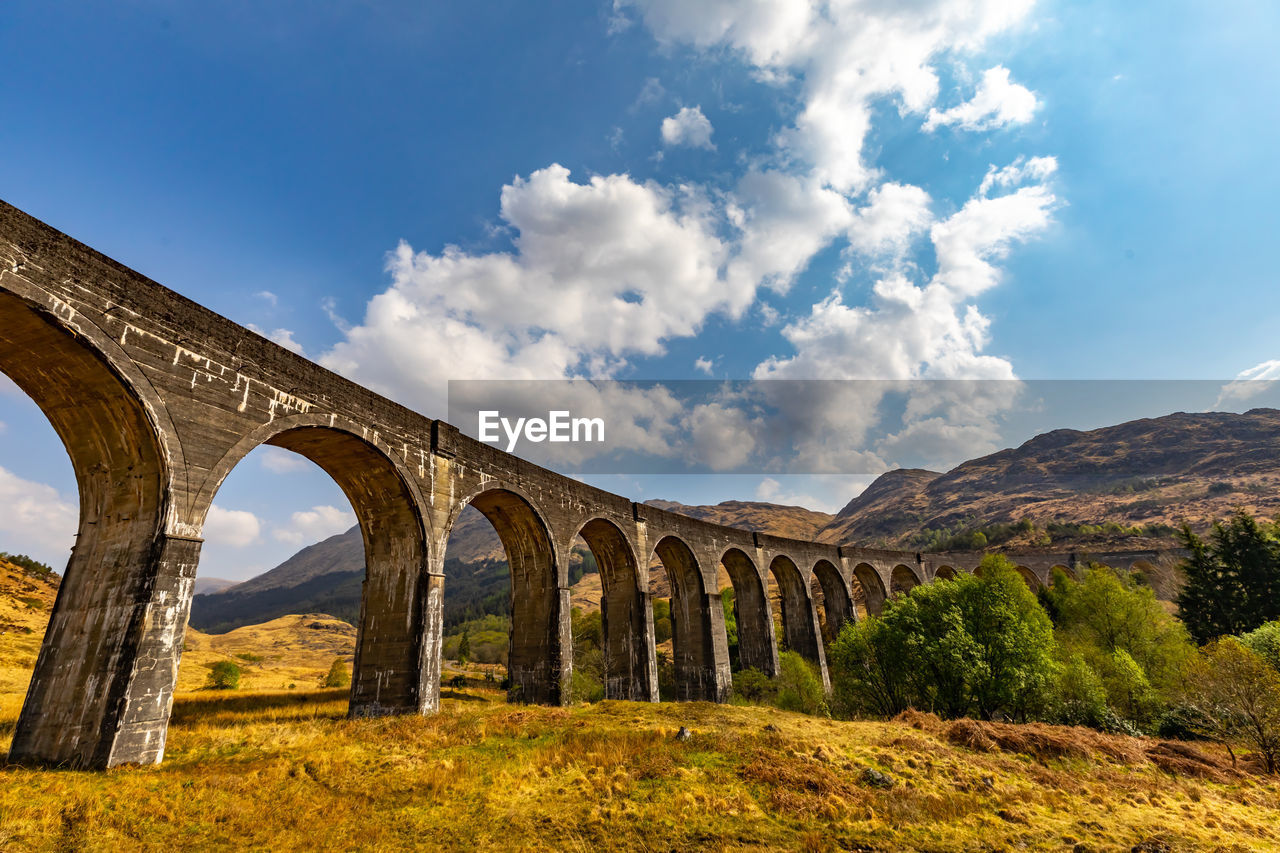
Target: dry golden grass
<point>284,770</point>
<point>287,770</point>
<point>25,603</point>
<point>294,650</point>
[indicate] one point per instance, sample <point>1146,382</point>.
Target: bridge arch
<point>539,652</point>
<point>873,591</point>
<point>1066,570</point>
<point>902,580</point>
<point>944,573</point>
<point>397,658</point>
<point>124,564</point>
<point>1032,580</point>
<point>799,621</point>
<point>699,645</point>
<point>757,646</point>
<point>631,671</point>
<point>837,602</point>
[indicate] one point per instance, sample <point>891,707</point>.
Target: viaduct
<point>157,399</point>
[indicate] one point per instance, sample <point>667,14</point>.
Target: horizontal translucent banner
<point>842,426</point>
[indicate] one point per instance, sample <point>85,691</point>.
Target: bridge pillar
<point>540,657</point>
<point>702,653</point>
<point>103,683</point>
<point>397,660</point>
<point>757,643</point>
<point>799,616</point>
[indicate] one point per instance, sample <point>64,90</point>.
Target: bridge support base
<point>103,684</point>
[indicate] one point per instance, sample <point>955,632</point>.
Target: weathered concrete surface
<point>157,399</point>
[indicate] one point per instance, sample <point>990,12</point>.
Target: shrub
<point>753,686</point>
<point>799,686</point>
<point>1079,698</point>
<point>1237,695</point>
<point>339,675</point>
<point>224,675</point>
<point>975,645</point>
<point>666,677</point>
<point>1265,642</point>
<point>1124,635</point>
<point>587,682</point>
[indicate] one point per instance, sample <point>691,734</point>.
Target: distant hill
<point>1149,473</point>
<point>795,522</point>
<point>208,585</point>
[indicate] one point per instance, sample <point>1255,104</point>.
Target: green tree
<point>464,645</point>
<point>1237,696</point>
<point>339,675</point>
<point>975,645</point>
<point>1107,612</point>
<point>868,673</point>
<point>799,687</point>
<point>731,625</point>
<point>1265,642</point>
<point>224,675</point>
<point>1079,697</point>
<point>1016,665</point>
<point>661,620</point>
<point>1233,579</point>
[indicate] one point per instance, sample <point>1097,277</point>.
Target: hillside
<point>26,600</point>
<point>288,771</point>
<point>1149,472</point>
<point>295,650</point>
<point>794,522</point>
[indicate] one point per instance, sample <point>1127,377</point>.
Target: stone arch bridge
<point>157,399</point>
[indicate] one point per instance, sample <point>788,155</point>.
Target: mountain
<point>1152,473</point>
<point>794,522</point>
<point>208,585</point>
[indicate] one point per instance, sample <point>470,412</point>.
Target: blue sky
<point>779,191</point>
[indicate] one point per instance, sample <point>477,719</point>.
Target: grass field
<point>264,768</point>
<point>287,770</point>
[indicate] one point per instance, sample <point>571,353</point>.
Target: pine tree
<point>1233,580</point>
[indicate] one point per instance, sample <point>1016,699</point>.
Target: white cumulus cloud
<point>36,520</point>
<point>846,55</point>
<point>236,528</point>
<point>315,524</point>
<point>998,102</point>
<point>600,271</point>
<point>688,127</point>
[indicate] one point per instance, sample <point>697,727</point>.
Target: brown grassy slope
<point>25,604</point>
<point>288,771</point>
<point>294,650</point>
<point>290,650</point>
<point>1193,467</point>
<point>794,522</point>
